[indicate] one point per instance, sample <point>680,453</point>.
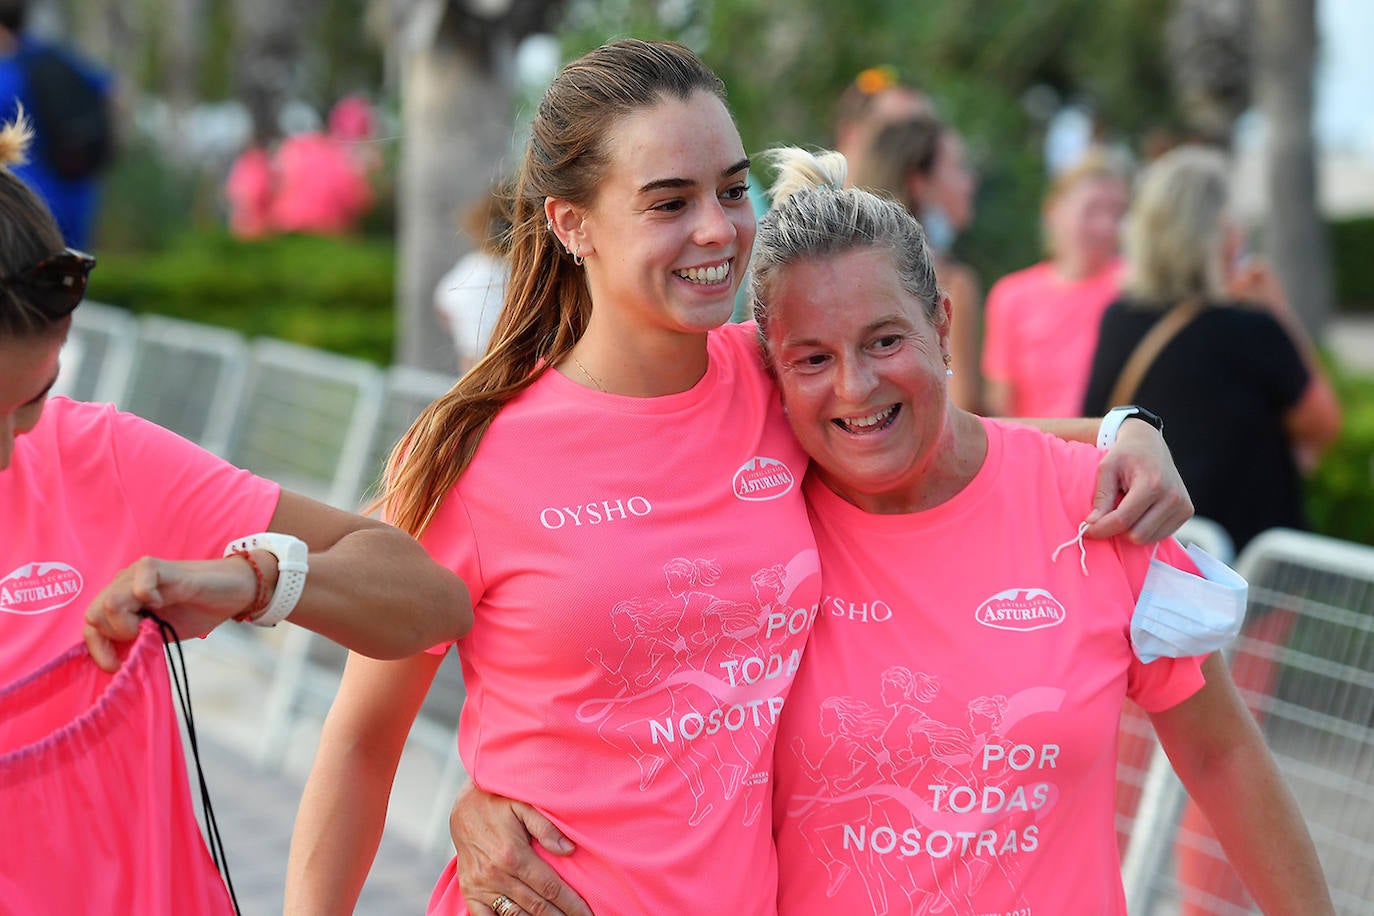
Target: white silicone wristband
<point>1111,423</point>
<point>292,564</point>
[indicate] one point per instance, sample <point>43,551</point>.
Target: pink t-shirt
<point>644,578</point>
<point>1039,336</point>
<point>89,491</point>
<point>950,742</point>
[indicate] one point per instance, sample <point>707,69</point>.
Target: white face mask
<point>940,232</point>
<point>1180,614</point>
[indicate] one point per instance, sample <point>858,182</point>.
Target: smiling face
<point>862,372</point>
<point>28,369</point>
<point>668,234</point>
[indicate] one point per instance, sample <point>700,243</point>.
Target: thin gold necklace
<point>593,379</point>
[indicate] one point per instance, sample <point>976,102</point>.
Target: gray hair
<point>1173,233</point>
<point>815,216</point>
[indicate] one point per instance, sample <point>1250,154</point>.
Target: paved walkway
<point>256,807</point>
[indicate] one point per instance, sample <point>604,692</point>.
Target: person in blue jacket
<point>69,186</point>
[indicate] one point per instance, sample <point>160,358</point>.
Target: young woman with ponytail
<point>616,483</point>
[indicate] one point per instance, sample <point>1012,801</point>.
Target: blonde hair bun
<point>802,170</point>
<point>15,138</point>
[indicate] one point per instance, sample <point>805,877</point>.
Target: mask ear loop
<point>1082,551</point>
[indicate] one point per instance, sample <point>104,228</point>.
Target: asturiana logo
<point>763,478</point>
<point>37,588</point>
<point>1021,609</point>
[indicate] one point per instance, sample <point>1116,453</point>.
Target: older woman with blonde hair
<point>1247,401</point>
<point>1206,335</point>
<point>1001,781</point>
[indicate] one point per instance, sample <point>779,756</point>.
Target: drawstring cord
<point>1082,551</point>
<point>181,681</point>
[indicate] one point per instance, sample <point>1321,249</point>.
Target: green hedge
<point>1352,254</point>
<point>332,293</point>
<point>1340,495</point>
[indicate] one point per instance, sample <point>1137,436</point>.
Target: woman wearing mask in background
<point>107,514</point>
<point>1040,325</point>
<point>1249,405</point>
<point>922,163</point>
<point>630,524</point>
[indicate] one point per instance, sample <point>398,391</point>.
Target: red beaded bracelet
<point>262,595</point>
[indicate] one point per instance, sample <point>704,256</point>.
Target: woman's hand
<point>194,596</point>
<point>493,837</point>
<point>1139,489</point>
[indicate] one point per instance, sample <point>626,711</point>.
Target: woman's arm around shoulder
<point>1219,754</point>
<point>1139,491</point>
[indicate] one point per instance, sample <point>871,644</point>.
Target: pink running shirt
<point>644,578</point>
<point>950,742</point>
<point>1039,336</point>
<point>89,491</point>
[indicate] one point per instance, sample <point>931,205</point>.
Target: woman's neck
<point>636,364</point>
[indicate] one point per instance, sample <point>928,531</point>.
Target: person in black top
<point>1247,404</point>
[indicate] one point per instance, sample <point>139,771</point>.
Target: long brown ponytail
<point>547,302</point>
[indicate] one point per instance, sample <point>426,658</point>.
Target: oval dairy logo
<point>1022,609</point>
<point>762,478</point>
<point>38,588</point>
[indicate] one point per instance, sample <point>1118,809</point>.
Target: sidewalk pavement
<point>256,807</point>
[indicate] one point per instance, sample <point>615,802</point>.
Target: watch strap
<point>1111,423</point>
<point>292,565</point>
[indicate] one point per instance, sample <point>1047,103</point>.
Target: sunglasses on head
<point>56,283</point>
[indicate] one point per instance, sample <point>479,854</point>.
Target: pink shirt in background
<point>319,186</point>
<point>950,742</point>
<point>644,578</point>
<point>89,491</point>
<point>1039,336</point>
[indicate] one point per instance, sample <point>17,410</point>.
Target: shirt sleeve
<point>1164,682</point>
<point>187,503</point>
<point>451,541</point>
<point>1270,355</point>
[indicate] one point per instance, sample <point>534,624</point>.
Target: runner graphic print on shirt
<point>695,666</point>
<point>924,796</point>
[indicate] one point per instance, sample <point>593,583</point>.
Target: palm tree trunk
<point>456,134</point>
<point>1296,238</point>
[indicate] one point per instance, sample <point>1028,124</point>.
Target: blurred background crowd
<point>324,172</point>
